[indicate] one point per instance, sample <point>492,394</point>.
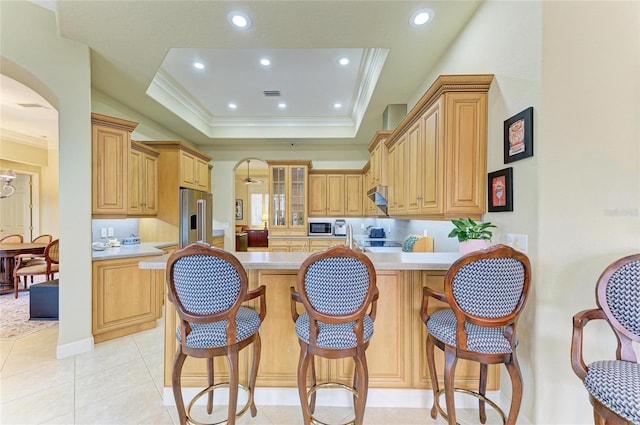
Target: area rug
<point>14,317</point>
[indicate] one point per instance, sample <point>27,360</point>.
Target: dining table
<point>8,252</point>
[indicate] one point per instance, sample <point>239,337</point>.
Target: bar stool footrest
<point>473,394</point>
<point>212,388</point>
<point>316,387</point>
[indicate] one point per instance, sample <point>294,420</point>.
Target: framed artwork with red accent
<point>500,190</point>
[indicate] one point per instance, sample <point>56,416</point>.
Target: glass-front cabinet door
<point>288,197</point>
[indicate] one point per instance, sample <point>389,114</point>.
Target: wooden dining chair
<point>49,268</point>
<point>33,259</point>
<point>14,238</point>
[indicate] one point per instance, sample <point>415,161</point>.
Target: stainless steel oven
<point>320,229</point>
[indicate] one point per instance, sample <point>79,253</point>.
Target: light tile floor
<point>120,382</point>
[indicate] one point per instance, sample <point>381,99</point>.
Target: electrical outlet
<point>519,242</point>
<point>110,231</point>
<point>362,226</point>
<point>103,232</point>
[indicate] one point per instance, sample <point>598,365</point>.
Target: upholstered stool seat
<point>333,335</point>
<point>442,325</point>
<point>337,288</point>
<point>616,384</point>
<point>209,335</point>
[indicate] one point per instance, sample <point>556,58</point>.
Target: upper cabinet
<point>378,158</point>
<point>438,153</point>
<point>110,151</point>
<point>179,166</point>
<point>288,202</point>
<point>143,180</point>
<point>335,193</point>
<point>195,171</point>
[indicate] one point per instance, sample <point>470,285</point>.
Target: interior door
<point>15,211</point>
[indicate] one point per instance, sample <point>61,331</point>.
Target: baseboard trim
<point>73,348</point>
<point>377,397</point>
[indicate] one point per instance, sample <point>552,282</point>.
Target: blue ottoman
<point>43,301</point>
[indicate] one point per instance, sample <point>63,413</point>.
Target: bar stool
<point>207,286</point>
<point>336,287</point>
<point>486,291</point>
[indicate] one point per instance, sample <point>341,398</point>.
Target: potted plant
<point>471,235</point>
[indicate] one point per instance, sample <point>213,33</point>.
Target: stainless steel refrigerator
<point>196,217</point>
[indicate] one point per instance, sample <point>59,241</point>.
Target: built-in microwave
<point>320,228</point>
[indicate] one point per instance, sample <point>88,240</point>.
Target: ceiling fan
<point>249,179</point>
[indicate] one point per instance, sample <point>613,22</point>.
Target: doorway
<point>251,194</point>
<point>16,211</point>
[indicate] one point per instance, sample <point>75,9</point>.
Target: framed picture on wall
<point>238,209</point>
<point>518,136</point>
<point>500,190</point>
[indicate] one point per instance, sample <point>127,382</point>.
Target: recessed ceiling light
<point>337,105</point>
<point>282,105</point>
<point>265,62</point>
<point>198,65</point>
<point>239,20</point>
<point>344,61</point>
<point>232,106</point>
<point>421,17</point>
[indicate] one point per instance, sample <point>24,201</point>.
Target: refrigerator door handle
<point>202,225</point>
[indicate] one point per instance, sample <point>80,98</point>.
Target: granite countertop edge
<point>293,260</point>
<point>144,249</point>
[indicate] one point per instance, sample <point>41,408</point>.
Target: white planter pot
<point>473,245</point>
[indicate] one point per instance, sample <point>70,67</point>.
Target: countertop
<point>308,237</point>
<point>127,251</point>
<point>293,260</point>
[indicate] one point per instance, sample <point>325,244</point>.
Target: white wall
<point>59,70</point>
<point>589,183</point>
<point>578,198</point>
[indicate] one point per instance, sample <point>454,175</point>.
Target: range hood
<point>379,197</point>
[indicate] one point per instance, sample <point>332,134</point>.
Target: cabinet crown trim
<point>119,123</point>
<point>443,84</point>
<point>177,144</point>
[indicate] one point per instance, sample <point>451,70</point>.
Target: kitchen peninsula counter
<point>293,260</point>
<point>396,357</point>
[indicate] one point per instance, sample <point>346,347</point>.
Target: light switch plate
<point>517,241</point>
<point>103,232</point>
<point>110,231</point>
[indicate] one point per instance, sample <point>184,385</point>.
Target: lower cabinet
<point>289,245</point>
<point>125,298</point>
<point>218,242</point>
<point>396,356</point>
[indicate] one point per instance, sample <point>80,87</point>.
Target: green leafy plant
<point>466,229</point>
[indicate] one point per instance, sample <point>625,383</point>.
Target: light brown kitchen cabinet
<point>218,242</point>
<point>289,245</point>
<point>396,194</point>
<point>288,201</point>
<point>316,244</point>
<point>378,158</point>
<point>194,171</point>
<point>171,174</point>
<point>442,171</point>
<point>335,193</point>
<point>125,298</point>
<point>317,195</point>
<point>110,150</point>
<point>143,180</point>
<point>353,199</point>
